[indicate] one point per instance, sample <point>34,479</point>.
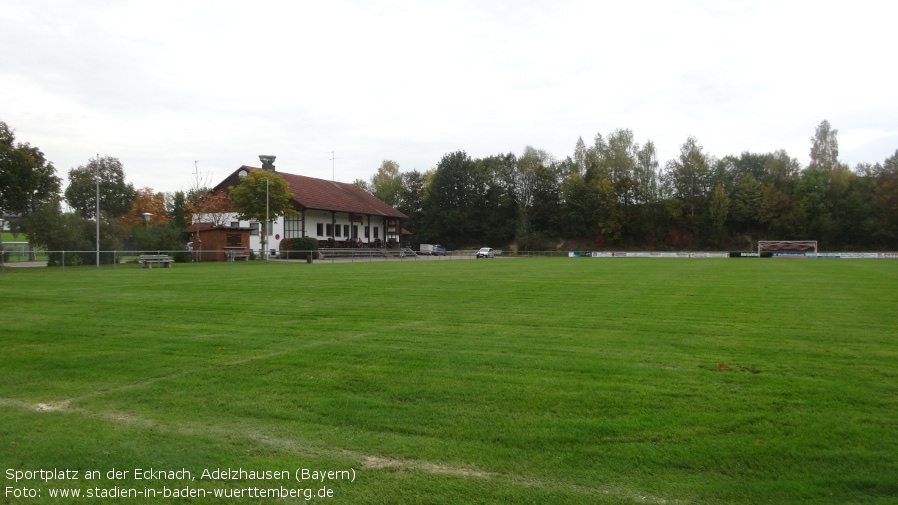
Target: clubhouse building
<point>337,214</point>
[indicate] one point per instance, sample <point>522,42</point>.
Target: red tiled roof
<point>312,193</point>
<point>198,227</point>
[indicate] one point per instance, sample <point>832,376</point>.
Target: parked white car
<point>486,252</point>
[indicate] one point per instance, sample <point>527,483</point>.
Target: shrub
<point>182,257</point>
<point>71,259</point>
<point>158,238</point>
<point>298,248</point>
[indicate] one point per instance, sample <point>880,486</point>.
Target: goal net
<point>793,248</point>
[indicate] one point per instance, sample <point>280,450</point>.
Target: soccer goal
<point>800,248</point>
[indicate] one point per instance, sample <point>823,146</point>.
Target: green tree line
<point>31,199</point>
<point>614,193</point>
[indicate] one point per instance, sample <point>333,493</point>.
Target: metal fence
<point>114,258</point>
<point>19,255</point>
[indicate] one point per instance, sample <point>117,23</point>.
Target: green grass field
<point>477,381</point>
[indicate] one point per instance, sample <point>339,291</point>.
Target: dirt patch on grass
<point>378,462</point>
<point>49,407</point>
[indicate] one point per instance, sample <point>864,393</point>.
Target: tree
<point>857,221</point>
<point>746,204</point>
<point>885,201</point>
<point>779,213</point>
<point>362,183</point>
<point>176,206</point>
<point>145,200</point>
<point>538,191</point>
<point>497,203</point>
<point>580,207</point>
<point>579,161</point>
<point>386,184</point>
<point>262,196</point>
<point>646,173</point>
<point>608,216</point>
<point>213,208</point>
<point>824,147</point>
<point>411,199</point>
<point>689,176</point>
<point>810,192</point>
<point>27,179</point>
<point>719,208</point>
<point>160,238</point>
<point>411,196</point>
<point>648,217</point>
<point>57,232</point>
<point>447,206</point>
<point>116,195</point>
<point>781,171</point>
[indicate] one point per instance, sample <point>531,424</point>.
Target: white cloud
<point>161,84</point>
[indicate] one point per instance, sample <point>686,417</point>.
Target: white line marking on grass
<point>378,462</point>
<point>309,449</point>
<point>64,403</point>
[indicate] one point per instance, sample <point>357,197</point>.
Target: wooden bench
<point>237,255</point>
<point>148,260</point>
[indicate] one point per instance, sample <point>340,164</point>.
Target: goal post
<point>799,248</point>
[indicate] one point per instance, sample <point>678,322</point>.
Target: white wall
<point>313,218</point>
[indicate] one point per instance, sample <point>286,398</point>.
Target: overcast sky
<point>160,84</point>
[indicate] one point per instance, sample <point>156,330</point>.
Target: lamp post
<point>146,218</point>
<point>2,229</point>
<point>267,216</point>
<point>98,210</point>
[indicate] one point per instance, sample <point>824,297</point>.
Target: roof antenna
<point>333,170</point>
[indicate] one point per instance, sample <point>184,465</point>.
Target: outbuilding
<point>219,243</point>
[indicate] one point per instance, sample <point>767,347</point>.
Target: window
<point>235,240</point>
<point>375,232</point>
<point>320,229</point>
<point>292,226</point>
<point>345,230</point>
<point>367,232</point>
<point>254,227</point>
<point>270,227</point>
<point>235,224</point>
<point>330,230</point>
<point>337,231</point>
<point>355,231</point>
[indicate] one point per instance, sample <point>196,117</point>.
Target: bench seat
<point>148,260</point>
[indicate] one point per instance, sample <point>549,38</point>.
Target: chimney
<point>267,161</point>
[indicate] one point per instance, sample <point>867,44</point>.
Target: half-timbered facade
<point>337,214</point>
